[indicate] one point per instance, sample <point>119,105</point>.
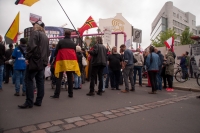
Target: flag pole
<point>70,22</point>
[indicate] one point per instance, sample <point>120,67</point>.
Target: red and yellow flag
<point>26,2</point>
<point>12,33</point>
<point>66,60</point>
<point>90,23</point>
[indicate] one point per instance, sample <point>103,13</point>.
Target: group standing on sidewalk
<point>99,65</point>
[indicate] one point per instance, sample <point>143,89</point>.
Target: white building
<point>198,30</point>
<point>117,24</point>
<point>173,18</point>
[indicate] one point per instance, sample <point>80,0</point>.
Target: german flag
<point>90,23</point>
<point>12,33</point>
<point>66,60</point>
<point>26,2</point>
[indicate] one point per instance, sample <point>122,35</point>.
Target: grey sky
<point>140,13</point>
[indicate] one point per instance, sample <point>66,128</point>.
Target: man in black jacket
<point>63,44</point>
<point>8,67</point>
<point>98,63</point>
<point>2,59</point>
<point>37,38</point>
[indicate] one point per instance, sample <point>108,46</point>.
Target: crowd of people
<point>99,65</point>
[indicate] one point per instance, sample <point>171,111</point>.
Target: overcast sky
<point>140,13</point>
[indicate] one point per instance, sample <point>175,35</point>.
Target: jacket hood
<point>159,52</point>
<point>23,46</point>
<point>170,54</point>
<point>136,53</point>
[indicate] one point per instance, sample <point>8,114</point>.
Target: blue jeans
<point>19,74</point>
<point>77,81</point>
<point>29,82</point>
<point>104,82</point>
<point>1,75</point>
<point>159,81</point>
<point>139,69</point>
<point>14,78</point>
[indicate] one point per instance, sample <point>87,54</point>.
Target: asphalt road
<point>167,118</point>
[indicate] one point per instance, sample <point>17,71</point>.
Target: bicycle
<point>179,74</point>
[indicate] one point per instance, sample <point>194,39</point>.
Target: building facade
<point>173,18</point>
<point>198,30</point>
<point>117,24</point>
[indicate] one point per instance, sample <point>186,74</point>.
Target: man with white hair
<point>2,59</point>
<point>36,59</point>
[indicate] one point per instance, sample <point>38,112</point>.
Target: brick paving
<point>76,122</point>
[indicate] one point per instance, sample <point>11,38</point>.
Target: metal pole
<point>70,21</point>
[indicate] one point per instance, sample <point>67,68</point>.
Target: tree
<point>162,37</point>
<point>186,37</point>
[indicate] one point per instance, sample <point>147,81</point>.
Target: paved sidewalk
<point>190,85</point>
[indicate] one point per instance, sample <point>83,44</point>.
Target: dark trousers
<point>153,80</point>
<point>29,83</point>
<point>115,78</point>
<point>170,80</point>
<point>121,78</point>
<point>165,81</point>
<point>9,68</point>
<point>69,81</point>
<point>107,80</point>
<point>139,70</point>
<point>83,75</point>
<point>96,70</point>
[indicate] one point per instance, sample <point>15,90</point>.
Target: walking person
<point>138,66</point>
<point>114,62</point>
<point>153,63</point>
<point>77,79</point>
<point>159,76</point>
<point>38,52</point>
<point>2,59</point>
<point>20,66</point>
<point>8,66</point>
<point>65,61</point>
<point>127,67</point>
<point>169,70</point>
<point>98,63</point>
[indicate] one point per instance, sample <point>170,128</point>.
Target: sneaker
<point>132,90</point>
<point>198,97</point>
<point>24,94</point>
<point>16,94</point>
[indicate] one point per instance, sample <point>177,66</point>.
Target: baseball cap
<point>39,22</point>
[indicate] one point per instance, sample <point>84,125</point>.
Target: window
<point>174,14</point>
<point>180,17</point>
<point>177,15</point>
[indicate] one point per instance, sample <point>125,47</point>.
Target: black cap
<point>39,22</point>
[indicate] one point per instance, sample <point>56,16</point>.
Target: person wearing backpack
<point>138,66</point>
<point>19,66</point>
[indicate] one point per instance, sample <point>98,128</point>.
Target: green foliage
<point>163,36</point>
<point>186,37</point>
<point>93,42</point>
